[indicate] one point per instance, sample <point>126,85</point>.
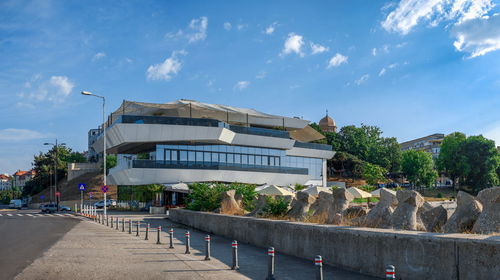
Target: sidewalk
<point>94,251</point>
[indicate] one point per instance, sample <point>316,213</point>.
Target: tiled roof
<point>20,173</point>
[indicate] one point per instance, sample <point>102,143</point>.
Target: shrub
<point>299,187</point>
<point>276,206</point>
<point>207,197</point>
<point>439,195</point>
<point>368,188</point>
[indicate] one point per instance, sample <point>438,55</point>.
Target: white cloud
<point>362,79</point>
<point>55,89</point>
<point>261,75</point>
<point>337,60</point>
<point>317,48</point>
<point>409,13</point>
<point>293,44</point>
<point>167,69</point>
<point>199,26</point>
<point>62,85</point>
<point>270,29</point>
<point>382,72</point>
<point>241,85</point>
<point>478,37</point>
<point>196,31</point>
<point>98,56</point>
<point>227,26</point>
<point>374,51</point>
<point>241,26</point>
<point>16,134</point>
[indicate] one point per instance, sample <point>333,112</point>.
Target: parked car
<point>109,203</point>
<point>49,208</point>
<point>392,185</point>
<point>16,204</point>
<point>64,208</point>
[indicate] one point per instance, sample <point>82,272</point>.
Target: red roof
<point>3,176</point>
<point>20,173</point>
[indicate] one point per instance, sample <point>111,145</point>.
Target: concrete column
<point>324,173</point>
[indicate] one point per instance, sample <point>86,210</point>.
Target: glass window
<point>206,156</point>
<point>222,157</point>
<point>251,150</point>
<point>244,159</point>
<point>237,149</point>
<point>237,158</point>
<point>183,155</point>
<point>199,156</point>
<point>230,149</point>
<point>191,156</point>
<point>215,157</point>
<point>230,158</point>
<point>258,160</point>
<point>258,151</point>
<point>251,159</point>
<point>265,160</point>
<point>173,155</point>
<point>167,154</point>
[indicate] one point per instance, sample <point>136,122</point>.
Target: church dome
<point>327,124</point>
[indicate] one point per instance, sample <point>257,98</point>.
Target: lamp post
<point>88,93</point>
<point>55,170</point>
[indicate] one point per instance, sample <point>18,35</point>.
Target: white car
<point>16,204</point>
<point>109,202</point>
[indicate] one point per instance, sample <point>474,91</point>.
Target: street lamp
<point>88,93</point>
<point>55,170</point>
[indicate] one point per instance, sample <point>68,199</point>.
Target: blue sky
<point>411,67</point>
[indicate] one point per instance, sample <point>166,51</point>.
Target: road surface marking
<point>29,215</point>
<point>20,215</point>
<point>48,215</point>
<point>1,215</point>
<point>9,215</point>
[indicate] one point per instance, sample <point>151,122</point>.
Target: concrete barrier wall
<point>416,255</point>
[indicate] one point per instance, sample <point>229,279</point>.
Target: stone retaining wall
<point>416,255</point>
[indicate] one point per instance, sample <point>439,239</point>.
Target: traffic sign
<point>90,194</point>
<point>104,189</point>
<point>42,196</point>
<point>58,194</point>
<point>82,186</point>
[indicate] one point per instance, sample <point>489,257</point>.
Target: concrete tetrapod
<point>466,214</point>
<point>489,220</point>
<point>405,214</point>
<point>341,200</point>
<point>380,216</point>
<point>301,205</point>
<point>229,205</point>
<point>322,208</point>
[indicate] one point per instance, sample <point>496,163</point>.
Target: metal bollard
<point>123,224</point>
<point>270,264</point>
<point>187,235</point>
<point>171,236</point>
<point>117,222</point>
<point>390,272</point>
<point>129,226</point>
<point>234,245</point>
<point>137,228</point>
<point>107,220</point>
<point>318,262</point>
<point>207,247</point>
<point>158,235</point>
<point>102,216</point>
<point>112,222</point>
<point>99,219</point>
<point>147,232</point>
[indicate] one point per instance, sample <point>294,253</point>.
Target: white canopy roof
<point>274,190</point>
<point>315,190</point>
<point>357,193</point>
<point>376,193</point>
<point>180,187</point>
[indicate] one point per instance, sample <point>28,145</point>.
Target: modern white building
<point>189,141</point>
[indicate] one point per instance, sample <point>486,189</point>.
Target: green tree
<point>480,162</point>
<point>373,174</point>
<point>418,168</point>
<point>111,162</point>
<point>450,159</point>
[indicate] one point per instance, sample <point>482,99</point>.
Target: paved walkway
<point>94,251</point>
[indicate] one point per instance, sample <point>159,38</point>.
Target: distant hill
<point>69,190</point>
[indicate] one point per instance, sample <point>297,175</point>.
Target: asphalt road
<point>25,235</point>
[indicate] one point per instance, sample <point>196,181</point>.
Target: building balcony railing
<point>316,146</point>
<point>216,166</point>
